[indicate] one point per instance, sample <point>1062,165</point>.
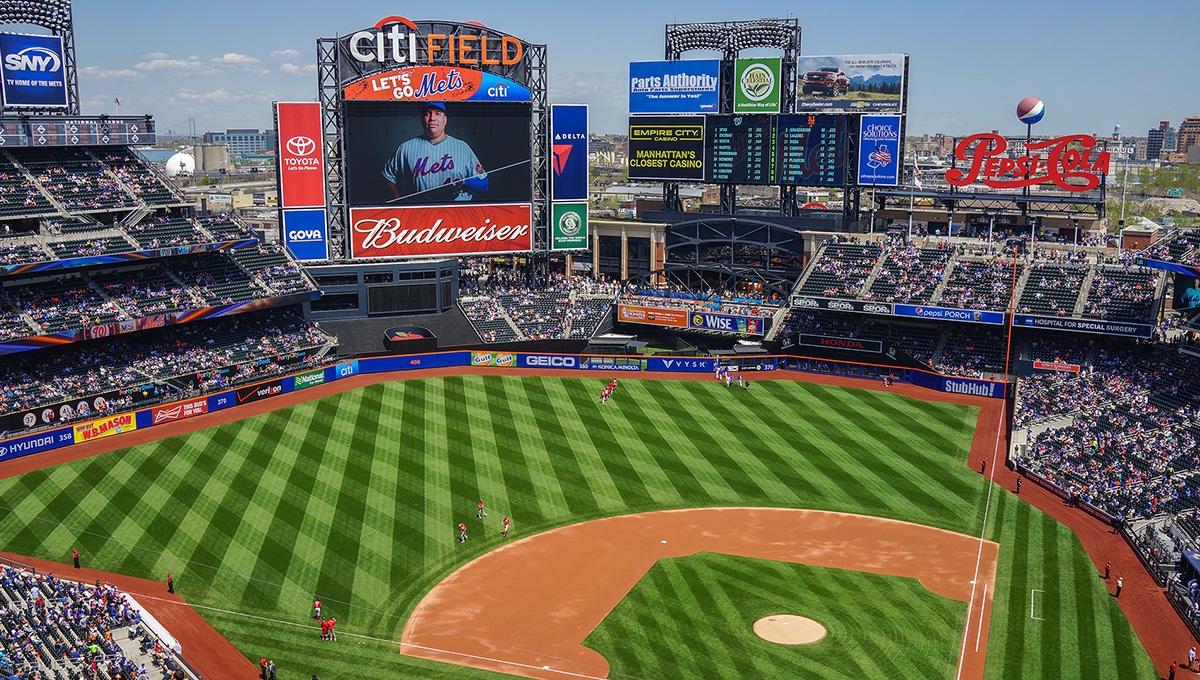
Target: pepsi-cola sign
<point>1073,157</point>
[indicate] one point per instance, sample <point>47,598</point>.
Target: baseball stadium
<point>464,428</point>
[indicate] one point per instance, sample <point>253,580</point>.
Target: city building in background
<point>243,142</point>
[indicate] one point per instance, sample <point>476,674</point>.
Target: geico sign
<point>305,235</point>
<point>398,40</point>
<point>1067,158</point>
<point>41,59</point>
<point>551,362</point>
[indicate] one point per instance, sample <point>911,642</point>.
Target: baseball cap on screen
<point>435,105</point>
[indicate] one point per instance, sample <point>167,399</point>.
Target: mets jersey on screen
<point>421,165</point>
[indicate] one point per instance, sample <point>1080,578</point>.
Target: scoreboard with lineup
<point>76,131</point>
<point>740,149</point>
<point>812,150</point>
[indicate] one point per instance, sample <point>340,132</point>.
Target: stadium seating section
<point>840,270</point>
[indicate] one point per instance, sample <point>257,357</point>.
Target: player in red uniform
<point>462,532</point>
<point>507,522</point>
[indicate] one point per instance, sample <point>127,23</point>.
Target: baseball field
<point>355,498</point>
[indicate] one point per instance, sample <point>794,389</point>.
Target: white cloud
<point>217,95</point>
<point>155,55</point>
<point>284,55</point>
<point>110,73</point>
<point>188,66</point>
<point>295,70</point>
<point>233,58</point>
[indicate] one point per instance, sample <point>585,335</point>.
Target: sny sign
<point>1067,158</point>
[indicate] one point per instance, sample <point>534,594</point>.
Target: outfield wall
<point>109,425</point>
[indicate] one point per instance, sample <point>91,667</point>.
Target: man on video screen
<point>435,166</point>
<point>1191,296</point>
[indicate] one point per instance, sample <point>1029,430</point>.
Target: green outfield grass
<point>356,497</point>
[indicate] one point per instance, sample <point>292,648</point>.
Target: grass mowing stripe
<point>580,412</point>
<point>678,462</point>
<point>487,451</point>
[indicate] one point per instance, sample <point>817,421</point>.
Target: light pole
<point>991,223</point>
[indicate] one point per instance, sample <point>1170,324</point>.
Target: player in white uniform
<point>435,165</point>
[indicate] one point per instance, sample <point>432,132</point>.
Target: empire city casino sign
<point>1066,158</point>
<point>400,41</point>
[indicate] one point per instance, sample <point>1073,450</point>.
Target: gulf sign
<point>441,230</point>
<point>33,70</point>
<point>653,316</point>
<point>1067,158</point>
<point>501,359</point>
<point>301,160</point>
<point>304,234</point>
<point>726,323</point>
<point>437,83</point>
<point>401,41</point>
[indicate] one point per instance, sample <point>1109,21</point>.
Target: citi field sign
<point>1073,157</point>
<point>396,40</point>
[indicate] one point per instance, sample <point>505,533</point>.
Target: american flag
<point>881,156</point>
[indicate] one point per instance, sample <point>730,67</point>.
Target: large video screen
<point>666,147</point>
<point>438,178</point>
<point>861,83</point>
<point>437,153</point>
<point>1187,294</point>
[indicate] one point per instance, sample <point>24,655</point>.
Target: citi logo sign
<point>41,59</point>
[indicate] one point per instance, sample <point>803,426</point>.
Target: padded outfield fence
<point>47,440</point>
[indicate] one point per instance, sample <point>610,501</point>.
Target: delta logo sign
<point>1067,158</point>
<point>569,132</point>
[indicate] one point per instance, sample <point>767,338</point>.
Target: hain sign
<point>1067,158</point>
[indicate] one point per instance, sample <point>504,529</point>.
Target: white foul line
<point>979,557</point>
<point>979,630</point>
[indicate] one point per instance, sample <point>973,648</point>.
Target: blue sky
<point>223,62</point>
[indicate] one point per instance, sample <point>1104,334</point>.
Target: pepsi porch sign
<point>879,151</point>
<point>33,69</point>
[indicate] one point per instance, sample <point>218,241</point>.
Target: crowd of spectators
<point>841,269</point>
<point>1122,294</point>
<point>140,367</point>
<point>54,629</point>
<point>975,284</point>
<point>909,274</point>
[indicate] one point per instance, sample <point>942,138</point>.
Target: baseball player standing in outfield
<point>507,524</point>
<point>435,165</point>
<point>462,532</point>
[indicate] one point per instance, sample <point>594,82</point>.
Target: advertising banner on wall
<point>879,151</point>
<point>862,83</point>
<point>833,342</point>
<point>804,302</point>
<point>61,412</point>
<point>301,157</point>
<point>309,379</point>
<point>757,85</point>
<point>727,323</point>
<point>569,226</point>
<point>437,83</point>
<point>501,359</point>
<point>950,314</point>
<point>304,234</point>
<point>653,316</point>
<point>1141,330</point>
<point>179,410</point>
<point>677,86</point>
<point>569,144</point>
<point>33,70</point>
<point>681,365</point>
<point>252,393</point>
<point>104,427</point>
<point>666,147</point>
<point>36,443</point>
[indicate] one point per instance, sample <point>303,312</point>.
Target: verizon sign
<point>301,163</point>
<point>441,230</point>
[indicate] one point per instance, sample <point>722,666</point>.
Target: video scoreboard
<point>75,131</point>
<point>765,149</point>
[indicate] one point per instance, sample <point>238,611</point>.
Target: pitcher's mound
<point>787,629</point>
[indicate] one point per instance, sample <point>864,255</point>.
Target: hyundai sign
<point>33,69</point>
<point>304,234</point>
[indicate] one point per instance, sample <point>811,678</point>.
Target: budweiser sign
<point>1066,158</point>
<point>441,230</point>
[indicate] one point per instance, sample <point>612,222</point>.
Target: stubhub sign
<point>304,234</point>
